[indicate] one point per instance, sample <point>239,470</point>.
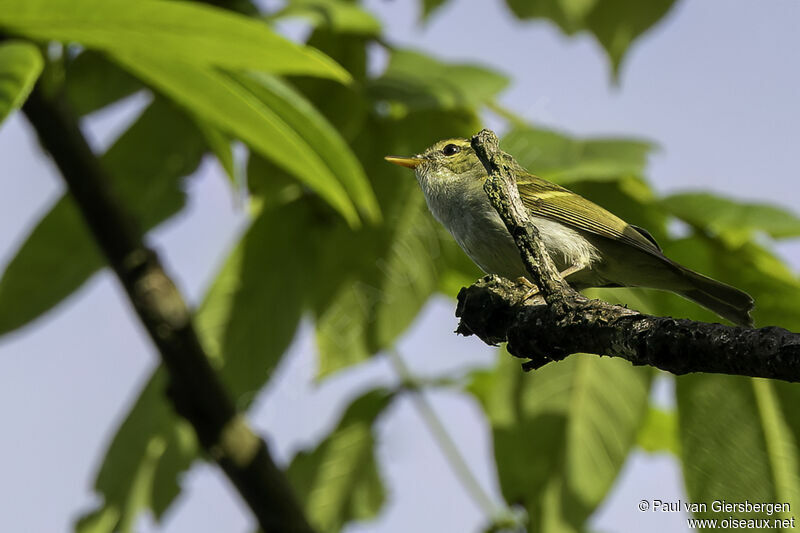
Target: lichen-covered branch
<point>564,322</point>
<point>195,389</point>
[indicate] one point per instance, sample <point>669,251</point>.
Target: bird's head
<point>451,162</point>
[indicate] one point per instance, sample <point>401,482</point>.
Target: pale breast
<point>480,232</point>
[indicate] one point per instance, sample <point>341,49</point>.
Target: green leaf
<point>377,304</point>
<point>252,309</point>
<point>429,6</point>
<point>129,479</point>
<point>339,16</point>
<point>223,102</point>
<point>614,23</point>
<point>20,66</point>
<point>617,23</point>
<point>220,145</point>
<point>320,135</point>
<point>735,221</point>
<point>420,82</point>
<point>562,433</point>
<point>246,323</point>
<point>735,443</point>
<point>345,106</point>
<point>172,31</point>
<point>659,432</point>
<point>93,82</point>
<point>338,481</point>
<point>59,255</point>
<point>564,159</point>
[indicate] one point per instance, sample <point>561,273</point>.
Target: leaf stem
<point>445,441</point>
<point>506,114</point>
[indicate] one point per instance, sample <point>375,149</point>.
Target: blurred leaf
<point>234,109</point>
<point>617,23</point>
<point>340,16</point>
<point>735,443</point>
<point>246,323</point>
<point>429,6</point>
<point>20,66</point>
<point>380,302</point>
<point>220,146</point>
<point>345,106</point>
<point>301,115</point>
<point>171,31</point>
<point>562,433</point>
<point>563,159</point>
<point>614,23</point>
<point>338,481</point>
<point>734,221</point>
<point>252,309</point>
<point>420,82</point>
<point>59,255</point>
<point>128,479</point>
<point>659,432</point>
<point>93,82</point>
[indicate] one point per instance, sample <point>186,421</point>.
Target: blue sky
<point>715,85</point>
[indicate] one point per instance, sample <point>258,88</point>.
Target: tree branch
<point>563,322</point>
<point>195,389</point>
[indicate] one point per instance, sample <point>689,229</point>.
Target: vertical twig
<point>497,513</point>
<point>501,187</point>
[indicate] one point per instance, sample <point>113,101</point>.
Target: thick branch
<point>492,309</point>
<point>195,389</point>
<point>496,310</point>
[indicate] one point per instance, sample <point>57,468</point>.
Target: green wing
<point>551,201</point>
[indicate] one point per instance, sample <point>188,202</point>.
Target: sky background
<point>715,85</point>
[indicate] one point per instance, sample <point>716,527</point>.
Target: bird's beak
<point>408,162</point>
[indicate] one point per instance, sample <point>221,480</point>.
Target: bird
<point>589,245</point>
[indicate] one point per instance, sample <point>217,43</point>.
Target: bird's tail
<point>726,301</point>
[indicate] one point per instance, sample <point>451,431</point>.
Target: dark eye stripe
<point>451,149</point>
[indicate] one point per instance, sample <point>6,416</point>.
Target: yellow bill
<point>403,161</point>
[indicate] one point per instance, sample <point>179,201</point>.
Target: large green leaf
<point>735,221</point>
<point>340,16</point>
<point>246,322</point>
<point>614,23</point>
<point>562,433</point>
<point>59,255</point>
<point>20,66</point>
<point>228,105</point>
<point>338,481</point>
<point>735,444</point>
<point>563,159</point>
<point>320,135</point>
<point>174,31</point>
<point>418,81</point>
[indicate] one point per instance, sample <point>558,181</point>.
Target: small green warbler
<point>590,246</point>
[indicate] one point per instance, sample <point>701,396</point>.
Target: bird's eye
<point>451,149</point>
